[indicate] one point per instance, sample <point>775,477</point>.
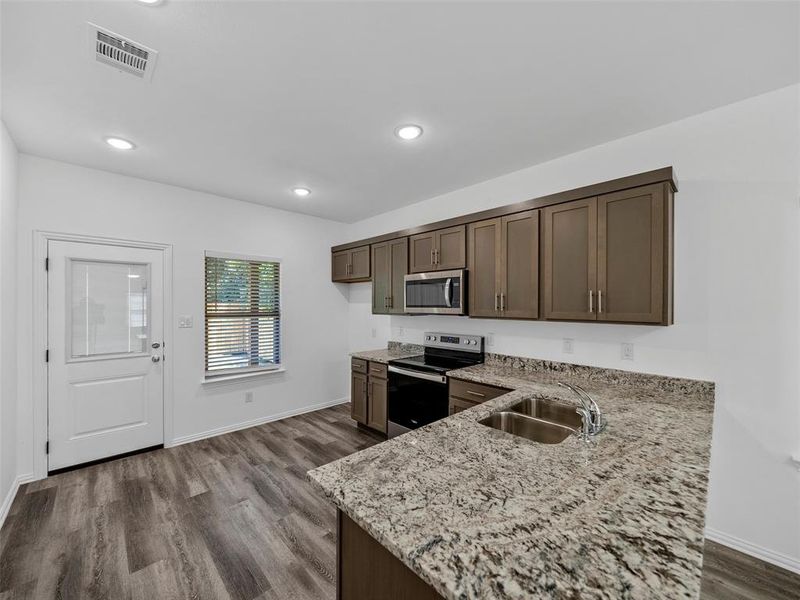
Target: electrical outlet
<point>185,321</point>
<point>568,346</point>
<point>248,397</point>
<point>627,351</point>
<point>401,331</point>
<point>490,339</point>
<point>374,332</point>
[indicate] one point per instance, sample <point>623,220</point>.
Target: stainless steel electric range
<point>418,385</point>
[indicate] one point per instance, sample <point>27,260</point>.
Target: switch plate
<point>374,332</point>
<point>185,321</point>
<point>627,351</point>
<point>568,346</point>
<point>248,397</point>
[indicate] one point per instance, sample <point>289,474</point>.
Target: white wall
<point>8,317</point>
<point>55,196</point>
<point>736,297</point>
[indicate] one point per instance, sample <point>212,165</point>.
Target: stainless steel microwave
<point>436,293</point>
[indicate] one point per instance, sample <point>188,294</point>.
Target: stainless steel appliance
<point>418,385</point>
<point>438,292</point>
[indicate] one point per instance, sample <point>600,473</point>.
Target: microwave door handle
<point>447,290</point>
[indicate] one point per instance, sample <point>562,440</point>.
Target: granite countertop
<point>385,355</point>
<point>478,513</point>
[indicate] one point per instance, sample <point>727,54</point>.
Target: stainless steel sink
<point>530,428</point>
<point>547,410</point>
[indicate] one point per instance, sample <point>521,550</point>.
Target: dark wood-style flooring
<point>228,517</point>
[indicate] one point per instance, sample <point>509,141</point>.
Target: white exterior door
<point>105,323</point>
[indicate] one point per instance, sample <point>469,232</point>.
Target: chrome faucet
<point>593,420</point>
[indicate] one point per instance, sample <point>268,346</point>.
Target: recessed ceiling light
<point>408,132</point>
<point>119,143</point>
<point>132,276</point>
<point>151,2</point>
<point>301,191</point>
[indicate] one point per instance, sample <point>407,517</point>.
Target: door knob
<point>155,358</point>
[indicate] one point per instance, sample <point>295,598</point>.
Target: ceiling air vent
<point>121,53</point>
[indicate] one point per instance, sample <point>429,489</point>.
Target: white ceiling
<point>249,99</point>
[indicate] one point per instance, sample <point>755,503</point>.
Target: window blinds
<point>243,319</point>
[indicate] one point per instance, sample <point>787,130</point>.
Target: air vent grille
<point>122,53</point>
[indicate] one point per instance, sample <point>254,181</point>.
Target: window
<point>243,317</point>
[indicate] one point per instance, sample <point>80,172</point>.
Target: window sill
<point>241,376</point>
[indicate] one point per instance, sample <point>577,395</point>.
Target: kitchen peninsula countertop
<point>386,354</point>
<point>478,513</point>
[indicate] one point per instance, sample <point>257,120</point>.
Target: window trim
<point>244,372</point>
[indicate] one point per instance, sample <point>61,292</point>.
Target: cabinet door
<point>340,271</point>
<point>421,251</point>
<point>483,262</point>
<point>451,248</point>
<point>398,269</point>
<point>458,404</point>
<point>519,267</point>
<point>377,404</point>
<point>630,255</point>
<point>570,260</point>
<point>380,278</point>
<point>359,263</point>
<point>358,397</point>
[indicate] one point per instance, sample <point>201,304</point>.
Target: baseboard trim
<point>186,439</point>
<point>12,493</point>
<point>776,558</point>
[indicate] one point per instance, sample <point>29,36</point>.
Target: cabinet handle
<point>433,263</point>
<point>436,256</point>
<point>496,302</point>
<point>502,302</point>
<point>476,394</point>
<point>389,299</point>
<point>591,301</point>
<point>599,301</point>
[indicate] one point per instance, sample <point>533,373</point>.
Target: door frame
<point>39,329</point>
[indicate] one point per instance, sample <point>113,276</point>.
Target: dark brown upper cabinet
<point>632,257</point>
<point>438,250</point>
<point>389,267</point>
<point>569,252</point>
<point>607,258</point>
<point>351,265</point>
<point>503,263</point>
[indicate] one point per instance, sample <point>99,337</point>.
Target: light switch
<point>568,346</point>
<point>185,321</point>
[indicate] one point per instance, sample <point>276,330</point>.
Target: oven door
<point>415,399</point>
<point>440,292</point>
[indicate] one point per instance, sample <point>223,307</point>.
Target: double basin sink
<point>537,419</point>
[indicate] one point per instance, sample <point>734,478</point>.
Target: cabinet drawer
<point>359,365</point>
<point>377,370</point>
<point>475,392</point>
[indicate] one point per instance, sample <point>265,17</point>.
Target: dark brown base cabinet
<point>600,253</point>
<point>368,394</point>
<point>368,571</point>
<point>466,394</point>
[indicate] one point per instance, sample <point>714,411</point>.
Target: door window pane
<point>109,308</point>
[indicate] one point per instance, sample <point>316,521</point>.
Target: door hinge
<point>47,447</point>
<point>47,263</point>
<point>47,355</point>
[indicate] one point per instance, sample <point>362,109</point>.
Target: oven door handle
<point>447,293</point>
<point>418,374</point>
